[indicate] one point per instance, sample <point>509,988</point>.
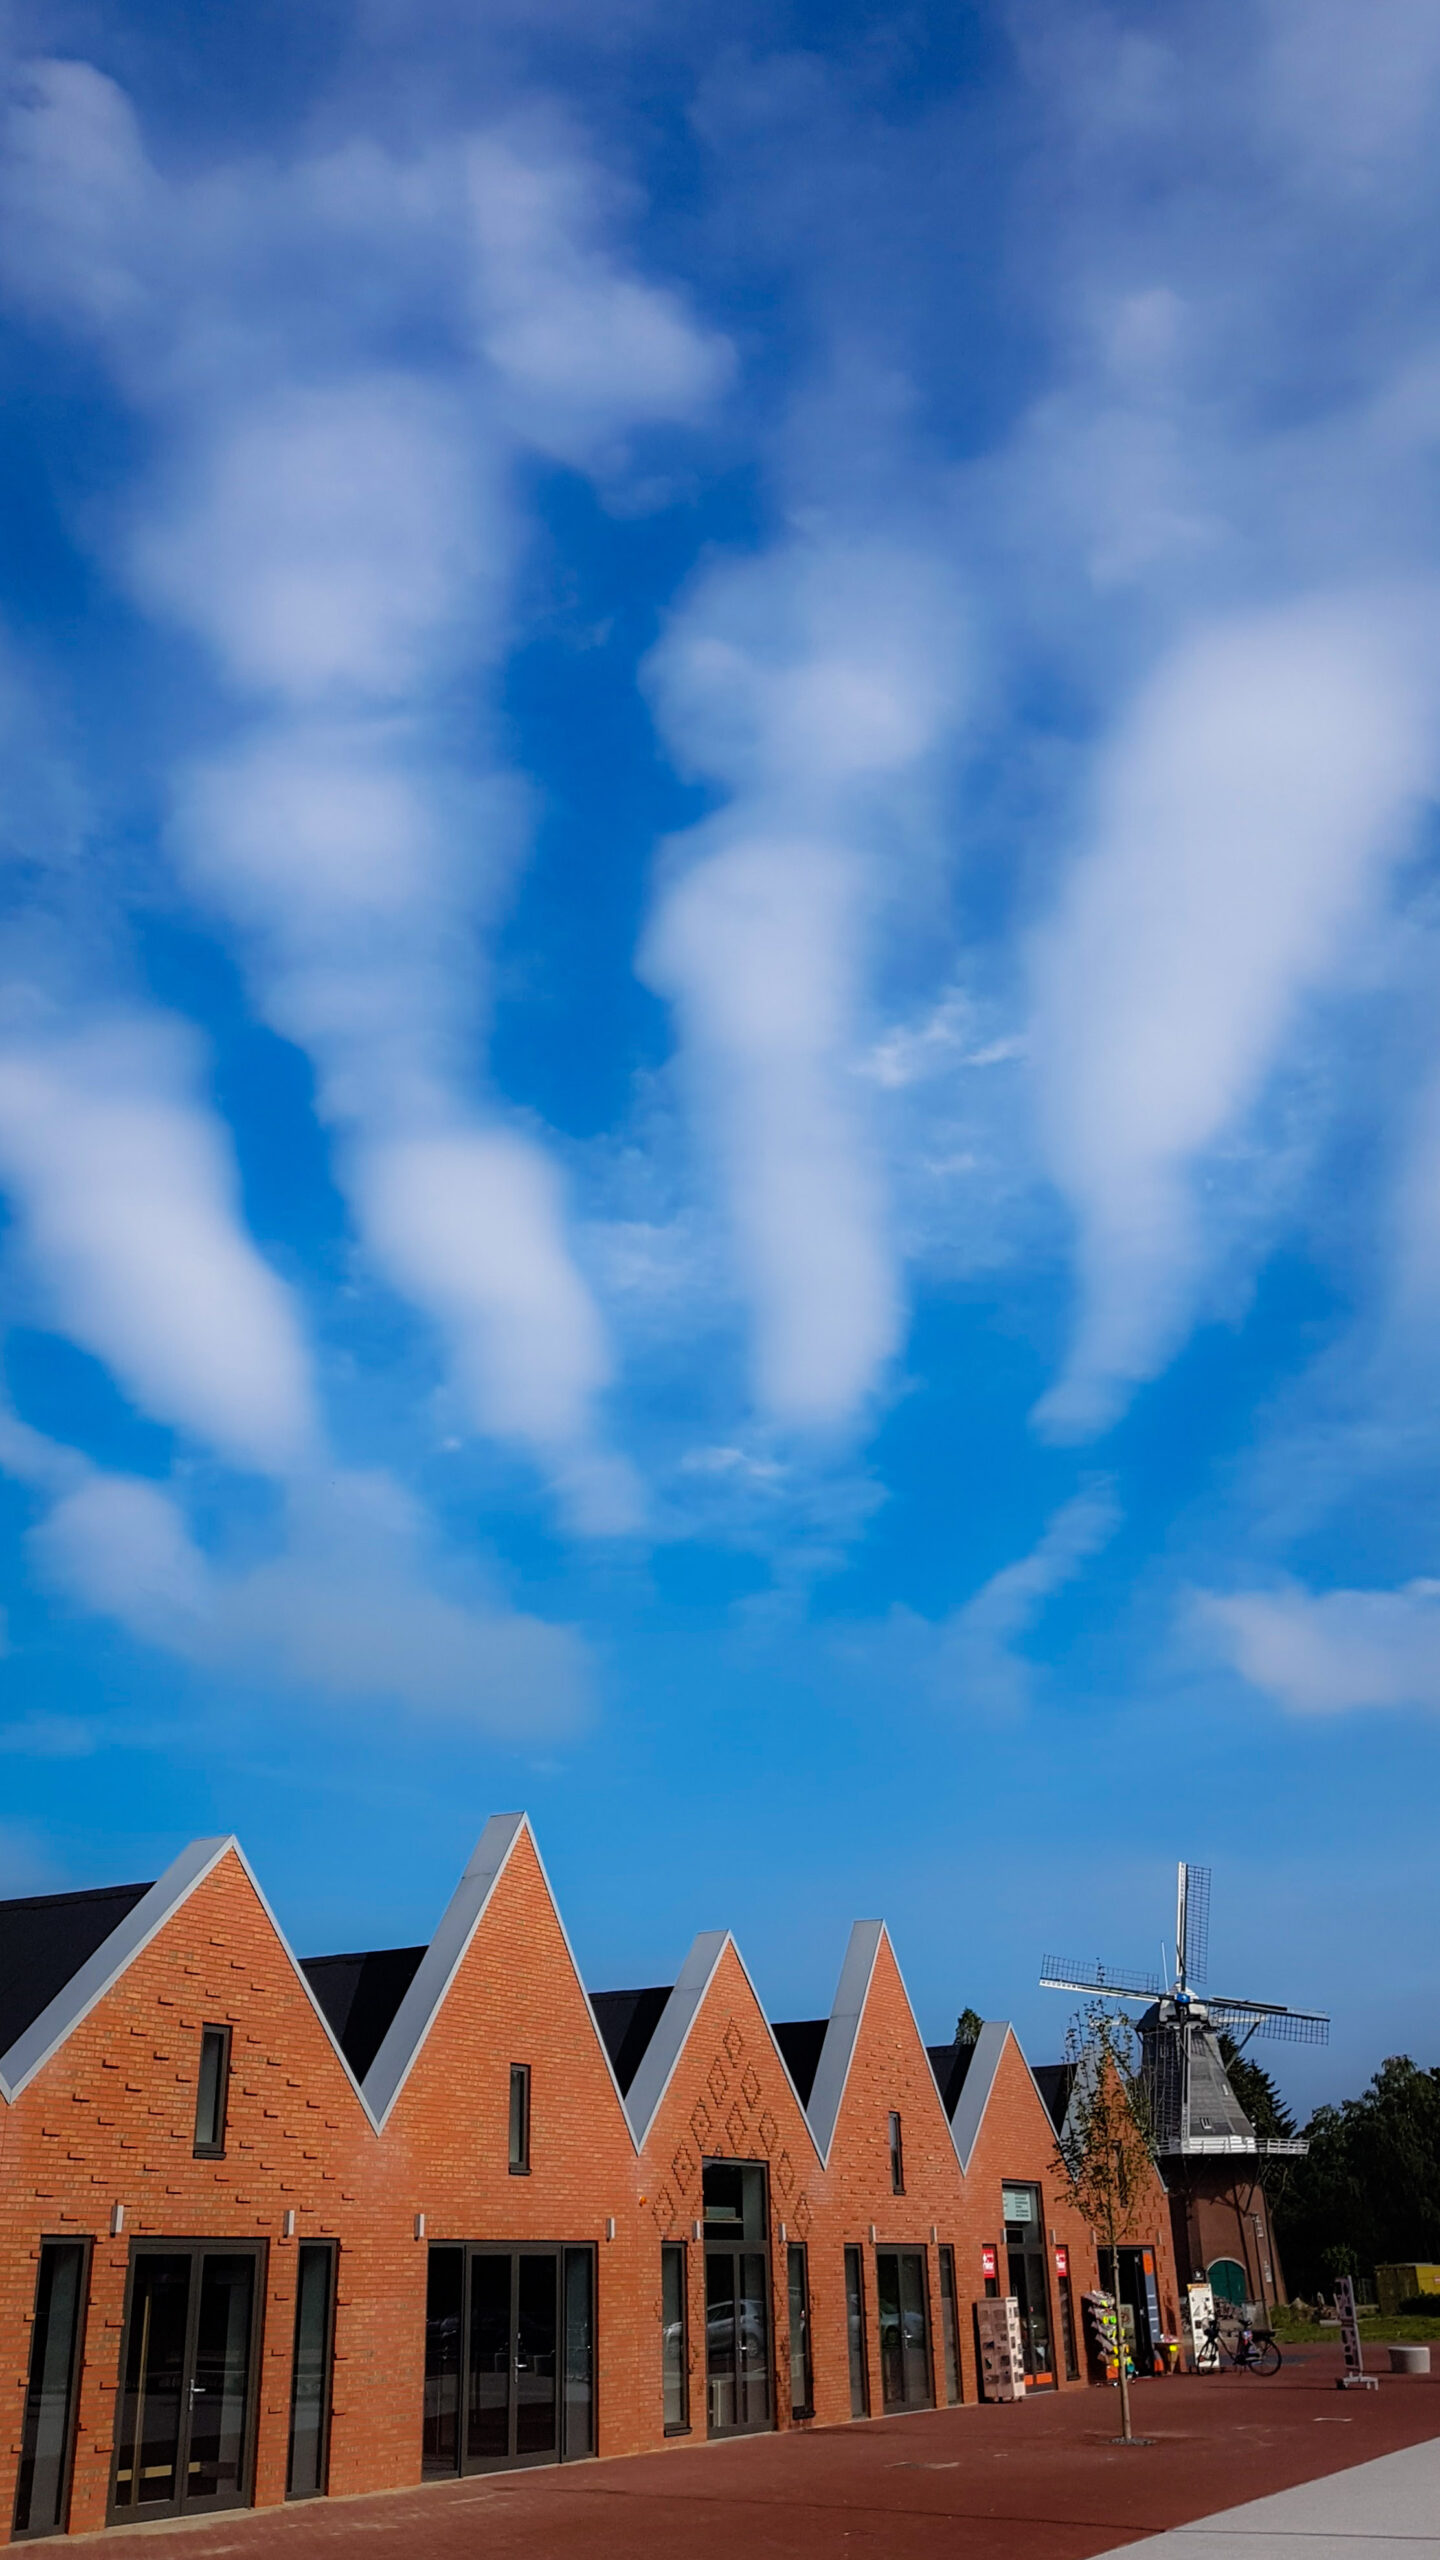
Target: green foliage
<point>968,2026</point>
<point>1106,2145</point>
<point>1370,2188</point>
<point>1257,2094</point>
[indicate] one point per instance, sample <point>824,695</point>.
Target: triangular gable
<point>140,1927</point>
<point>838,2050</point>
<point>421,2006</point>
<point>662,2055</point>
<point>979,2082</point>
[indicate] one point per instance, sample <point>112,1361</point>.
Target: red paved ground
<point>1041,2481</point>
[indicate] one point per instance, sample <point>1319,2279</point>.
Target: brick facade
<point>107,2121</point>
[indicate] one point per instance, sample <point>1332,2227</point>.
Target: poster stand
<point>1354,2377</point>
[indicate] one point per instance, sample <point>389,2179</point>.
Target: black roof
<point>1054,2081</point>
<point>627,2020</point>
<point>360,1995</point>
<point>951,2066</point>
<point>45,1939</point>
<point>800,2040</point>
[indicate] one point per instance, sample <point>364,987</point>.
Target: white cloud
<point>976,1663</point>
<point>127,1200</point>
<point>1248,812</point>
<point>1331,1652</point>
<point>340,528</point>
<point>758,949</point>
<point>119,1547</point>
<point>350,1612</point>
<point>587,350</point>
<point>329,540</point>
<point>815,683</point>
<point>470,1224</point>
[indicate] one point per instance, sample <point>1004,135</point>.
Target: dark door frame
<point>157,2245</point>
<point>721,2243</point>
<point>558,2251</point>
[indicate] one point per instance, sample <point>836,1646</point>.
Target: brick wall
<point>110,2120</point>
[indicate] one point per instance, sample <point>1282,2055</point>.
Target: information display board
<point>1200,2310</point>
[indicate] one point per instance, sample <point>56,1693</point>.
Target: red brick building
<point>269,2229</point>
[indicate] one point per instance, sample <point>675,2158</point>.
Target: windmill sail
<point>1194,2106</point>
<point>1192,1927</point>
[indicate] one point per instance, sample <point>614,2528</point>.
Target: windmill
<point>1195,2111</point>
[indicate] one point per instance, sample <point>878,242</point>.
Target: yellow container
<point>1397,2285</point>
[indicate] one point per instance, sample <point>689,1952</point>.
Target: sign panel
<point>1204,2351</point>
<point>1349,2324</point>
<point>1062,2262</point>
<point>1153,2320</point>
<point>1018,2203</point>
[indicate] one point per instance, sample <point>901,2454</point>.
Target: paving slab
<point>1383,2510</point>
<point>1041,2480</point>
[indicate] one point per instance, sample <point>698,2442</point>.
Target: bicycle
<point>1250,2350</point>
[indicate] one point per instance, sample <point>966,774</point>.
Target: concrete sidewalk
<point>1384,2510</point>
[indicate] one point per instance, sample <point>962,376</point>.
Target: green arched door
<point>1227,2281</point>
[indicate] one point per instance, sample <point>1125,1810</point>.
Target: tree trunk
<point>1126,2432</point>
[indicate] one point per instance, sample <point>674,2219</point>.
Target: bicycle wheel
<point>1267,2356</point>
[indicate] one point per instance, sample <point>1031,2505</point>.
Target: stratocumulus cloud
<point>130,1221</point>
<point>1327,1653</point>
<point>342,544</point>
<point>717,809</point>
<point>1246,813</point>
<point>813,683</point>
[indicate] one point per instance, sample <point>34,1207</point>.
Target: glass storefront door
<point>185,2425</point>
<point>739,2398</point>
<point>504,2328</point>
<point>1025,2252</point>
<point>902,2300</point>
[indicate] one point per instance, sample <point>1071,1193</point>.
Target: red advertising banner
<point>1062,2262</point>
<point>989,2260</point>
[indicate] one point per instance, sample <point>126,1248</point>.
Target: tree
<point>1368,2194</point>
<point>1107,2149</point>
<point>968,2026</point>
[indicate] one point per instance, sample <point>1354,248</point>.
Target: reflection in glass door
<point>42,2491</point>
<point>1025,2253</point>
<point>903,2303</point>
<point>185,2420</point>
<point>502,2326</point>
<point>737,2298</point>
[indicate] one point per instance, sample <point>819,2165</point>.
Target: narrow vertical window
<point>675,2340</point>
<point>855,2334</point>
<point>308,2475</point>
<point>444,2317</point>
<point>519,2119</point>
<point>802,2391</point>
<point>1067,2325</point>
<point>949,2325</point>
<point>897,2158</point>
<point>42,2496</point>
<point>578,2439</point>
<point>212,2095</point>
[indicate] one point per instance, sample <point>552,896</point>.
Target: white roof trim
<point>974,2097</point>
<point>980,2079</point>
<point>832,2071</point>
<point>306,1985</point>
<point>662,2053</point>
<point>99,1974</point>
<point>604,2049</point>
<point>76,1998</point>
<point>438,1966</point>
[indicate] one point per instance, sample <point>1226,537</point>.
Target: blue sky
<point>719,1063</point>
